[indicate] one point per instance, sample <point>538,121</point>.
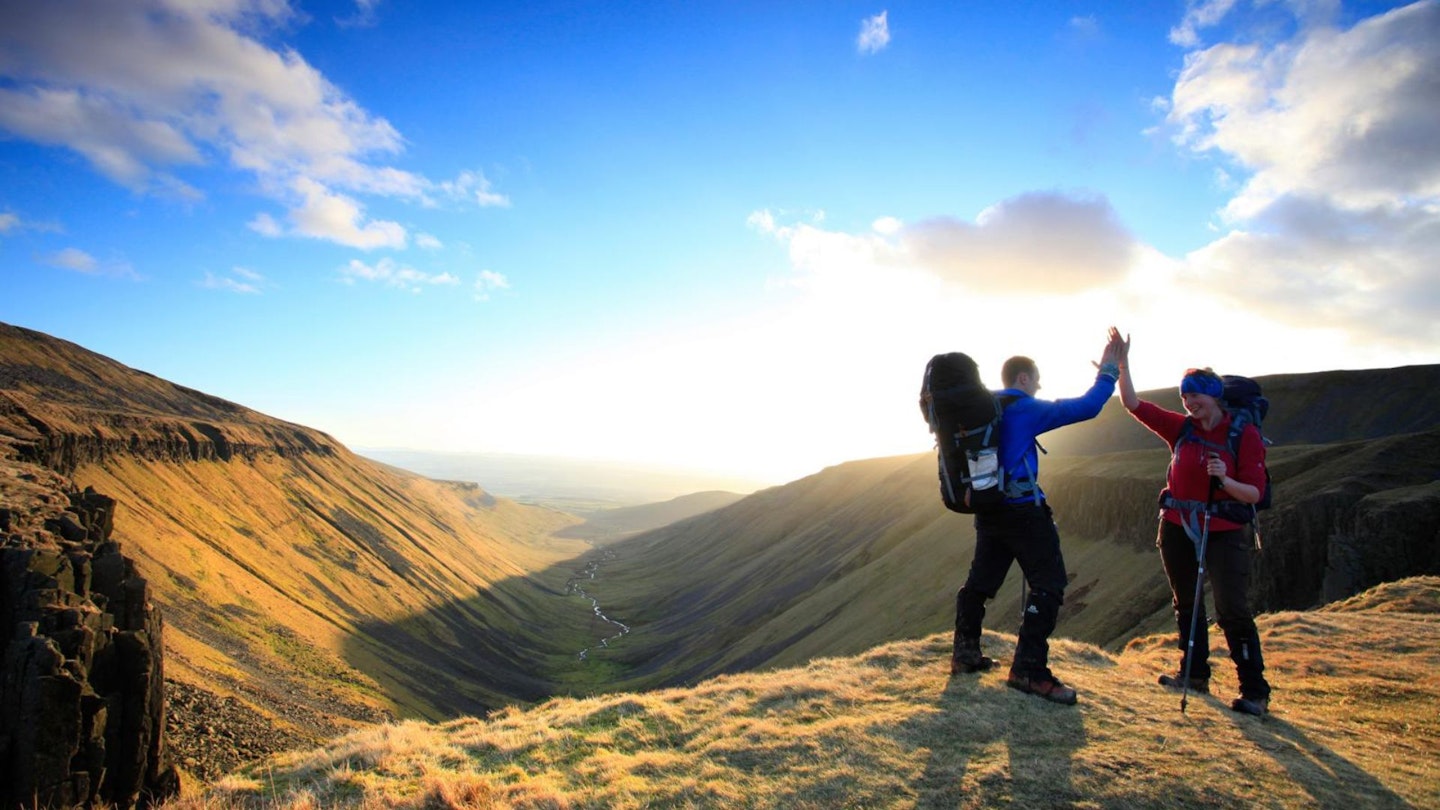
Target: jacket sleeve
<point>1163,423</point>
<point>1063,412</point>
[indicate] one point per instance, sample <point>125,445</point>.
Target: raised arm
<point>1128,397</point>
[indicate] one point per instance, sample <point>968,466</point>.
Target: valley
<point>308,591</point>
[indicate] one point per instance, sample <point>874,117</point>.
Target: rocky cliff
<point>82,705</point>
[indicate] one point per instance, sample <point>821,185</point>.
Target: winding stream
<point>574,586</point>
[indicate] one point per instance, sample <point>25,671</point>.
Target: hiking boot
<point>1043,684</point>
<point>1256,706</point>
<point>1199,686</point>
<point>967,658</point>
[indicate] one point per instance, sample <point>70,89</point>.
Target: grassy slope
<point>298,571</point>
<point>312,584</point>
<point>863,553</point>
<point>1354,725</point>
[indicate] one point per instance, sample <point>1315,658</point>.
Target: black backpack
<point>1245,403</point>
<point>964,417</point>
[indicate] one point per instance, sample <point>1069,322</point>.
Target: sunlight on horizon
<point>830,371</point>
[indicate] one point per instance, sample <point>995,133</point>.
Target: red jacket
<point>1186,479</point>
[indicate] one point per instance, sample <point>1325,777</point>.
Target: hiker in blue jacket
<point>1023,530</point>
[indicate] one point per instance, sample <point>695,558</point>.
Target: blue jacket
<point>1026,418</point>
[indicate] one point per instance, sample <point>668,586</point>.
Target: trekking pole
<point>1199,591</point>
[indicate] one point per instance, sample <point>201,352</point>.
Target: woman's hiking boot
<point>967,657</point>
<point>1042,683</point>
<point>1256,706</point>
<point>1197,685</point>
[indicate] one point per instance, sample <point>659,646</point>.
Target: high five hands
<point>1117,350</point>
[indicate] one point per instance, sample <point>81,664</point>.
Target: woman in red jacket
<point>1204,474</point>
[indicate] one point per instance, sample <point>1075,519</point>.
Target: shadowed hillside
<point>1316,408</point>
<point>1354,725</point>
<point>864,552</point>
<point>271,550</point>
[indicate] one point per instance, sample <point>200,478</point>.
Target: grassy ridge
<point>254,560</point>
<point>1354,725</point>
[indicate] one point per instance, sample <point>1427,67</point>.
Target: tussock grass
<point>1354,725</point>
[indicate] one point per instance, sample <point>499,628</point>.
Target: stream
<point>574,586</point>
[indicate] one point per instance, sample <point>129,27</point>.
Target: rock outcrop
<point>82,706</point>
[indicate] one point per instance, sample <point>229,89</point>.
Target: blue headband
<point>1202,383</point>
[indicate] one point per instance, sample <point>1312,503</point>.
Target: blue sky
<point>711,235</point>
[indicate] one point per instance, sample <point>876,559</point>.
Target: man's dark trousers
<point>1023,533</point>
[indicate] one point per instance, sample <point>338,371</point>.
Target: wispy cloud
<point>1199,14</point>
<point>79,261</point>
<point>391,273</point>
<point>473,185</point>
<point>240,280</point>
<point>1086,26</point>
<point>150,89</point>
<point>487,282</point>
<point>73,259</point>
<point>13,223</point>
<point>1331,131</point>
<point>874,33</point>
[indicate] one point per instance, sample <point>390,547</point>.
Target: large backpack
<point>1243,400</point>
<point>964,417</point>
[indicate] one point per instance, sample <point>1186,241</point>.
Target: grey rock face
<point>82,706</point>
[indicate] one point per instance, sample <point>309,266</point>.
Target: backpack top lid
<point>950,370</point>
<point>1243,399</point>
<point>952,397</point>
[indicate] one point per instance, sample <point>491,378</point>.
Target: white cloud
<point>338,218</point>
<point>79,261</point>
<point>391,273</point>
<point>473,185</point>
<point>240,280</point>
<point>874,33</point>
<point>148,88</point>
<point>488,281</point>
<point>888,226</point>
<point>1048,242</point>
<point>9,222</point>
<point>265,225</point>
<point>1199,14</point>
<point>73,259</point>
<point>1330,134</point>
<point>426,241</point>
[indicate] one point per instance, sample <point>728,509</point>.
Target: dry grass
<point>1355,725</point>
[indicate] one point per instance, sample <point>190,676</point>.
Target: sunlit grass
<point>1355,725</point>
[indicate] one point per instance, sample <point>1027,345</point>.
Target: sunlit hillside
<point>1354,724</point>
<point>307,590</point>
<point>303,589</point>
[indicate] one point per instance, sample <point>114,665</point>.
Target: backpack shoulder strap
<point>1187,434</point>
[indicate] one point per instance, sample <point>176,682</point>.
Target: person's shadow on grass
<point>1331,779</point>
<point>988,744</point>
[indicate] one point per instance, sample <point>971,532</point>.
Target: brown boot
<point>1043,684</point>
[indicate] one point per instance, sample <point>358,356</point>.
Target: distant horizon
<point>721,231</point>
<point>553,478</point>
